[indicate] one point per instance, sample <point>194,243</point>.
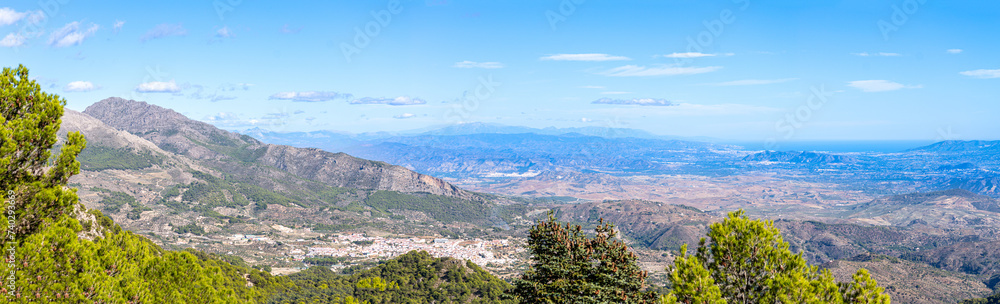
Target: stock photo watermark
<point>797,118</point>
<point>565,9</point>
<point>223,7</point>
<point>10,277</point>
<point>152,75</point>
<point>714,28</point>
<point>471,100</point>
<point>362,38</point>
<point>900,15</point>
<point>35,25</point>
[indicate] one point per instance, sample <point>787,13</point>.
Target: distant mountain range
<point>479,128</point>
<point>960,146</point>
<point>478,149</point>
<point>799,157</point>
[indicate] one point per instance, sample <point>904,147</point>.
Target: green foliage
<point>442,208</point>
<point>113,201</point>
<point>122,267</point>
<point>102,158</point>
<point>747,261</point>
<point>222,143</point>
<point>692,282</point>
<point>415,277</point>
<point>190,228</point>
<point>52,263</point>
<point>570,267</point>
<point>29,119</point>
<point>324,261</point>
<point>994,299</point>
<point>213,192</point>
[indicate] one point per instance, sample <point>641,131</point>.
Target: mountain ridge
<point>176,133</point>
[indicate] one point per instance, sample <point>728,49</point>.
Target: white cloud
<point>9,16</point>
<point>695,55</point>
<point>164,30</point>
<point>118,26</point>
<point>158,87</point>
<point>982,73</point>
<point>482,65</point>
<point>405,116</point>
<point>12,40</point>
<point>80,86</point>
<point>634,70</point>
<point>615,92</point>
<point>635,101</point>
<point>310,96</point>
<point>884,54</point>
<point>753,82</point>
<point>880,85</point>
<point>224,32</point>
<point>584,57</point>
<point>289,30</point>
<point>70,34</point>
<point>398,101</point>
<point>953,51</point>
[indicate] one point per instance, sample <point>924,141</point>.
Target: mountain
<point>486,155</point>
<point>605,132</point>
<point>799,157</point>
<point>960,146</point>
<point>178,134</point>
<point>183,183</point>
<point>483,128</point>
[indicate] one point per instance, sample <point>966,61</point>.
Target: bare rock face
<point>241,154</point>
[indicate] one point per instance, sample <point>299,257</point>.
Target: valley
<point>186,184</point>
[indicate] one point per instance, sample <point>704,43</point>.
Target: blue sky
<point>742,70</point>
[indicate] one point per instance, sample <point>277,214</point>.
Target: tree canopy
<point>567,266</point>
<point>49,254</point>
<point>747,261</point>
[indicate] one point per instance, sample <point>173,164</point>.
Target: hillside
<point>649,224</point>
<point>177,185</point>
<point>948,209</point>
<point>912,283</point>
<point>241,154</point>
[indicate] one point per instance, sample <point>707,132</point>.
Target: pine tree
<point>46,261</point>
<point>747,261</point>
<point>35,186</point>
<point>570,267</point>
